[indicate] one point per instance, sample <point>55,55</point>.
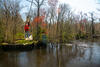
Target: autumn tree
<point>37,4</point>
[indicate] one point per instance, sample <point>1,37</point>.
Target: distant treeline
<point>59,24</point>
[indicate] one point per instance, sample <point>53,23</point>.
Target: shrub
<point>20,36</point>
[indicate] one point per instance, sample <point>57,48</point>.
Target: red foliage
<point>39,19</point>
<point>82,24</point>
<point>84,20</point>
<point>82,28</point>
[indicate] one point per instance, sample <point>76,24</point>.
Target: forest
<point>57,21</point>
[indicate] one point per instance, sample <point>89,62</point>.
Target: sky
<point>77,6</point>
<point>82,5</point>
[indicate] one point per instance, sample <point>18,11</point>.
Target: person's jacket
<point>26,28</point>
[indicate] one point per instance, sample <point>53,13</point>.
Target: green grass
<point>25,42</point>
<point>3,43</point>
<point>20,36</point>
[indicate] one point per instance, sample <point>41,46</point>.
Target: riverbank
<point>22,45</point>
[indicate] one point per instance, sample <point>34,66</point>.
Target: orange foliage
<point>39,19</point>
<point>41,22</point>
<point>44,24</point>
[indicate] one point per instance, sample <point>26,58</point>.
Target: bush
<point>81,36</point>
<point>20,36</point>
<point>40,34</point>
<point>66,37</point>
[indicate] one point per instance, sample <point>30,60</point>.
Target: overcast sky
<point>76,5</point>
<point>83,5</point>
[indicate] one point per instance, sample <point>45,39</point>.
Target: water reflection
<point>54,56</point>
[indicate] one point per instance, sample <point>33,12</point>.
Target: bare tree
<point>92,24</point>
<point>10,11</point>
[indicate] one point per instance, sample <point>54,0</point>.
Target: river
<point>81,54</point>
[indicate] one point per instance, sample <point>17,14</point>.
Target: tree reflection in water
<point>53,56</point>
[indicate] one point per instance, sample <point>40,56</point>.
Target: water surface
<point>81,54</point>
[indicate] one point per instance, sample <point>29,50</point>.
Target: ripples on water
<point>62,55</point>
